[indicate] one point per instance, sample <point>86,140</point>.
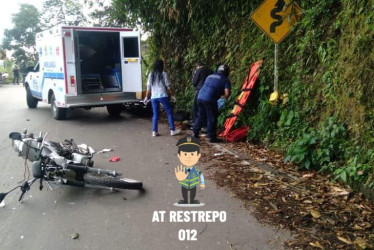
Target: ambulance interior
<point>100,62</point>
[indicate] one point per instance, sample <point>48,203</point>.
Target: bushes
<point>328,149</point>
<point>319,148</point>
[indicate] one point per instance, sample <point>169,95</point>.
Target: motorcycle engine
<point>82,159</point>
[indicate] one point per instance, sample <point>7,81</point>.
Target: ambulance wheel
<point>115,109</point>
<point>57,113</point>
<point>32,102</point>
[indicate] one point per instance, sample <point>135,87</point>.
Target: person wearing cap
<point>187,175</point>
<point>198,79</point>
<point>215,86</point>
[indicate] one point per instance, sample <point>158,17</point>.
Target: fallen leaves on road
<point>316,244</point>
<point>315,214</point>
<point>322,214</point>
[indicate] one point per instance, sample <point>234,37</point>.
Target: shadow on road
<point>73,194</point>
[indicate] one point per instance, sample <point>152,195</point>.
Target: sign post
<point>276,67</point>
<point>275,18</point>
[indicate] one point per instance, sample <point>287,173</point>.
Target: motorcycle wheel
<point>114,182</point>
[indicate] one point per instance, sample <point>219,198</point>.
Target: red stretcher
<point>241,99</point>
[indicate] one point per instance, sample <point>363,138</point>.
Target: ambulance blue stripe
<point>53,75</point>
<point>50,75</point>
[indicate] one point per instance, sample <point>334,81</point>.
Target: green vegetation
<point>325,66</point>
<point>62,12</point>
<point>21,38</point>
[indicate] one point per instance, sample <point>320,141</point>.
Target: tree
<point>64,12</point>
<point>101,13</point>
<point>21,39</point>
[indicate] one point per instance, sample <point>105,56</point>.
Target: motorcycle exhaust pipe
<point>85,169</point>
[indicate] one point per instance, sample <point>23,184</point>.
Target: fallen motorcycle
<point>63,163</point>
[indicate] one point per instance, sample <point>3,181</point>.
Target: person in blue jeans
<point>158,91</point>
<point>214,87</point>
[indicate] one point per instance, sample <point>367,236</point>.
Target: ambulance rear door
<point>131,61</point>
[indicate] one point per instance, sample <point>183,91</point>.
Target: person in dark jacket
<point>15,74</point>
<point>199,76</point>
<point>214,87</point>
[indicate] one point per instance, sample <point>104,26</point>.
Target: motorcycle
<point>63,163</point>
<point>3,76</point>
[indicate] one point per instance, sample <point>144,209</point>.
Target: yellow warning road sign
<point>2,54</point>
<point>276,17</point>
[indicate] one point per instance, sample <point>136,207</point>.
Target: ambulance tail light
<point>72,80</point>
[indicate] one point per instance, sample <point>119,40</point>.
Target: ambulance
<point>85,67</point>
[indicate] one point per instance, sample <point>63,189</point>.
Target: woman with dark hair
<point>158,87</point>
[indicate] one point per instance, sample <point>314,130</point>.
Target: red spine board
<point>241,99</point>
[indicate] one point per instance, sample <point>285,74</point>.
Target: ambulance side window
<point>130,47</point>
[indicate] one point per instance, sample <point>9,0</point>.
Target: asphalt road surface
<point>105,219</point>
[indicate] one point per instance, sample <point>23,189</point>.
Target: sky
<point>12,7</point>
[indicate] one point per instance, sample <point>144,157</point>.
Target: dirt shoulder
<point>320,214</point>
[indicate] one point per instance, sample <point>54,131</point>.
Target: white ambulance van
<point>83,67</point>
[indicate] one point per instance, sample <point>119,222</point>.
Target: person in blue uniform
<point>215,86</point>
<point>187,174</point>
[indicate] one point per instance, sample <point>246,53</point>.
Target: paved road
<point>104,219</point>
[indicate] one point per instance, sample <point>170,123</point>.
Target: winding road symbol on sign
<point>278,8</point>
<point>276,17</point>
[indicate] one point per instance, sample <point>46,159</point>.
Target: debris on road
<point>74,236</point>
<point>114,159</point>
<point>105,150</point>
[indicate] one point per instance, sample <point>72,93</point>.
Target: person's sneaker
<point>154,134</point>
<point>174,132</point>
<point>215,140</point>
<point>195,202</point>
<point>204,130</point>
<point>182,202</point>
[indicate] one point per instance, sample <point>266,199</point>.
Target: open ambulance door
<point>131,61</point>
<point>78,61</point>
